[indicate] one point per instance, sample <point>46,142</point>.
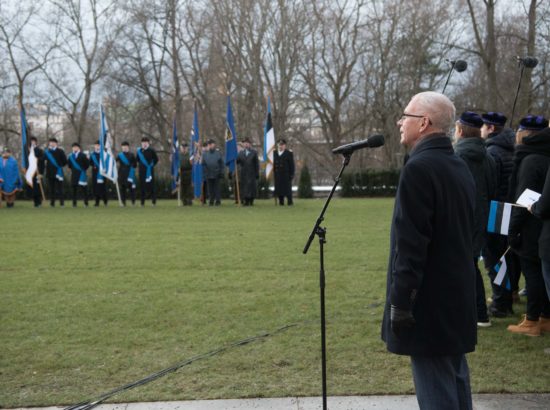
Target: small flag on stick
<point>499,217</point>
<point>502,279</point>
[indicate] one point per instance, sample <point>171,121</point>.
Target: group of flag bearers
<point>512,233</point>
<point>196,169</point>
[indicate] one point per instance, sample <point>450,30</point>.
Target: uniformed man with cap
<point>213,167</point>
<point>98,180</point>
<point>471,148</point>
<point>127,173</point>
<point>147,159</point>
<point>55,159</point>
<point>283,169</point>
<point>249,172</point>
<point>78,163</point>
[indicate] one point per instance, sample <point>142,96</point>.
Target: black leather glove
<point>402,321</point>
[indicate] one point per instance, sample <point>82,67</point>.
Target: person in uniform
<point>283,168</point>
<point>430,309</point>
<point>10,180</point>
<point>249,172</point>
<point>186,180</point>
<point>147,158</point>
<point>55,159</point>
<point>127,173</point>
<point>35,191</point>
<point>531,163</point>
<point>213,167</point>
<point>204,190</point>
<point>500,142</point>
<point>471,148</point>
<point>79,163</point>
<point>98,180</point>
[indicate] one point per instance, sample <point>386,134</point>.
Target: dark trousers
<point>84,190</point>
<point>34,192</point>
<point>496,246</point>
<point>204,193</point>
<point>100,193</point>
<point>56,191</point>
<point>214,193</point>
<point>147,190</point>
<point>288,199</point>
<point>481,304</point>
<point>442,382</point>
<point>186,193</point>
<point>514,269</point>
<point>537,299</point>
<point>124,188</point>
<point>546,275</point>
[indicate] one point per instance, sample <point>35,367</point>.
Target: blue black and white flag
<point>196,156</point>
<point>502,279</point>
<point>175,158</point>
<point>230,139</point>
<point>499,217</point>
<point>107,161</point>
<point>269,141</point>
<point>29,162</point>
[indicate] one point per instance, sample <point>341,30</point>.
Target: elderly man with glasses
<point>430,311</point>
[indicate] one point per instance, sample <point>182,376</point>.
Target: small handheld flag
<point>502,279</point>
<point>175,157</point>
<point>499,217</point>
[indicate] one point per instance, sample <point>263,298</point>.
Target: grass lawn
<point>94,298</point>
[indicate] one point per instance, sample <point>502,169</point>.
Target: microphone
<point>458,65</point>
<point>528,62</point>
<point>374,141</point>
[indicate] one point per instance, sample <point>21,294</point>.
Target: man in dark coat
<point>98,181</point>
<point>127,173</point>
<point>541,209</point>
<point>35,190</point>
<point>283,169</point>
<point>471,148</point>
<point>147,158</point>
<point>55,159</point>
<point>249,172</point>
<point>430,311</point>
<point>186,177</point>
<point>531,163</point>
<point>78,163</point>
<point>500,142</point>
<point>213,166</point>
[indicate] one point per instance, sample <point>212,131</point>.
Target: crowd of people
<point>138,170</point>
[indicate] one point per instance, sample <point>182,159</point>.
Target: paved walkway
<point>481,402</point>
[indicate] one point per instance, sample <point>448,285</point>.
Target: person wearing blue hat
<point>531,164</point>
<point>500,141</point>
<point>471,148</point>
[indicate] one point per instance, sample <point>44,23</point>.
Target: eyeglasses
<point>405,115</point>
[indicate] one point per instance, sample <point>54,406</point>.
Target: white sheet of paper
<point>528,198</point>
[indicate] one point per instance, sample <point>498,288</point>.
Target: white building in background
<point>45,123</point>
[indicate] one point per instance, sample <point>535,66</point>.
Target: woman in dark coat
<point>531,164</point>
<point>249,172</point>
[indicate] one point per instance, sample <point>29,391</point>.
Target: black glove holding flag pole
<point>402,321</point>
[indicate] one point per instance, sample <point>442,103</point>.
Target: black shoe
<point>500,313</point>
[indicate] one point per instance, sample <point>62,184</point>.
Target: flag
<point>29,162</point>
<point>175,158</point>
<point>501,269</point>
<point>499,217</point>
<point>269,141</point>
<point>230,139</point>
<point>196,156</point>
<point>107,161</point>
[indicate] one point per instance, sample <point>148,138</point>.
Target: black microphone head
<point>377,140</point>
<point>460,65</point>
<point>529,62</point>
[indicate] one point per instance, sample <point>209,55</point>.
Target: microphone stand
<point>448,77</point>
<point>517,93</point>
<point>321,233</point>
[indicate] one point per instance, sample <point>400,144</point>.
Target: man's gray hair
<point>438,108</point>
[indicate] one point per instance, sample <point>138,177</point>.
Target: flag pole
<point>237,189</point>
<point>39,182</point>
<point>118,194</point>
<point>178,184</point>
<point>270,95</point>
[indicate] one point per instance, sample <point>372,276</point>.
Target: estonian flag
<point>196,155</point>
<point>499,217</point>
<point>107,161</point>
<point>29,162</point>
<point>269,141</point>
<point>501,268</point>
<point>230,139</point>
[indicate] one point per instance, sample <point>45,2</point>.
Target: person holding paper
<point>541,209</point>
<point>531,164</point>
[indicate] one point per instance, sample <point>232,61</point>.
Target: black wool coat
<point>84,163</point>
<point>249,172</point>
<point>501,147</point>
<point>60,158</point>
<point>124,170</point>
<point>541,209</point>
<point>283,168</point>
<point>431,267</point>
<point>150,156</point>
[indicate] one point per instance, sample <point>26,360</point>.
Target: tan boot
<point>544,324</point>
<point>526,327</point>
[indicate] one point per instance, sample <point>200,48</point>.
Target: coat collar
<point>432,141</point>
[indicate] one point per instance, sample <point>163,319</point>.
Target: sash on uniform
<point>83,179</point>
<point>148,166</point>
<point>99,177</point>
<point>51,160</point>
<point>132,173</point>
